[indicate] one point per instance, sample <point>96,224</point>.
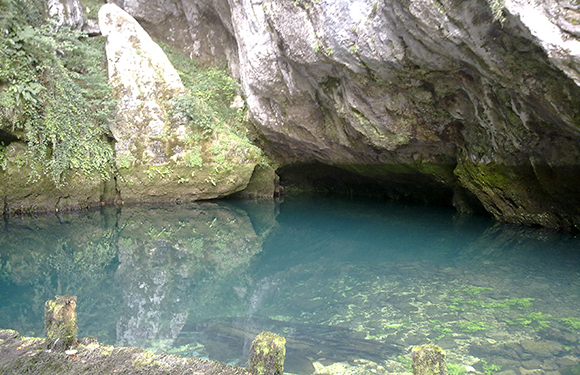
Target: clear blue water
<point>353,285</point>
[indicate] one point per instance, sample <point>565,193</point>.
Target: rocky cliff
<point>165,142</point>
<point>472,103</point>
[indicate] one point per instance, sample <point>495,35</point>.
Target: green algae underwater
<point>352,285</point>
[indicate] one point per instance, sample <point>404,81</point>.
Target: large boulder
<point>160,156</point>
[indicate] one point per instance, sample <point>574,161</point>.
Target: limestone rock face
<point>478,100</point>
<point>555,27</point>
<point>22,194</point>
<point>144,81</point>
<point>159,155</point>
<point>200,29</point>
<point>66,12</point>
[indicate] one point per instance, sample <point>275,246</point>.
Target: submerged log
<point>267,354</point>
<point>428,359</point>
<point>60,322</point>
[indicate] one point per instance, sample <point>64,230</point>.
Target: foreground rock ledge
<point>26,355</point>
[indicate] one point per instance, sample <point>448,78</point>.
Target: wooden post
<point>60,322</point>
<point>267,354</point>
<point>428,359</point>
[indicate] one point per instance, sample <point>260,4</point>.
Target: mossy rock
<point>428,359</point>
<point>267,354</point>
<point>23,190</point>
<point>25,355</point>
<point>524,194</point>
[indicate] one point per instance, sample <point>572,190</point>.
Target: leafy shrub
<point>193,158</point>
<point>210,92</point>
<point>53,92</point>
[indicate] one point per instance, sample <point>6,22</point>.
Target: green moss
<point>441,329</point>
<point>428,359</point>
<point>61,322</point>
<point>474,290</point>
<point>159,171</point>
<point>489,368</point>
<point>267,354</point>
<point>459,304</point>
<point>471,327</point>
<point>536,320</point>
<point>573,323</point>
<point>490,175</point>
<point>454,369</point>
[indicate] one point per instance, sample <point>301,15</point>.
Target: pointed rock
<point>144,81</point>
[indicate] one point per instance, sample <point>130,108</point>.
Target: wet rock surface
<point>25,355</point>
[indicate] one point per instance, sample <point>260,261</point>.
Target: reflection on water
<point>352,285</point>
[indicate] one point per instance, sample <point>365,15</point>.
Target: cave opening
<point>322,179</point>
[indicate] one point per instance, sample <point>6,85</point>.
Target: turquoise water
<point>353,285</point>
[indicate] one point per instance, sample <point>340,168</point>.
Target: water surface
<point>351,284</point>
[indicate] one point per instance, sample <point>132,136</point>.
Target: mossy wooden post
<point>428,359</point>
<point>267,354</point>
<point>60,322</point>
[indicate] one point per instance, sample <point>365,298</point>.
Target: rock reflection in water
<point>138,272</point>
<point>172,262</point>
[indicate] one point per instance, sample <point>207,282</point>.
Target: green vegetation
<point>536,320</point>
<point>406,362</point>
<point>489,368</point>
<point>497,7</point>
<point>54,93</point>
<point>193,158</point>
<point>217,119</point>
<point>471,327</point>
<point>91,8</point>
<point>210,92</point>
<point>454,369</point>
<point>573,323</point>
<point>475,290</point>
<point>459,304</point>
<point>440,328</point>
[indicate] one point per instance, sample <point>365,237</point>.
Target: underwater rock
<point>542,348</point>
<point>164,254</point>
